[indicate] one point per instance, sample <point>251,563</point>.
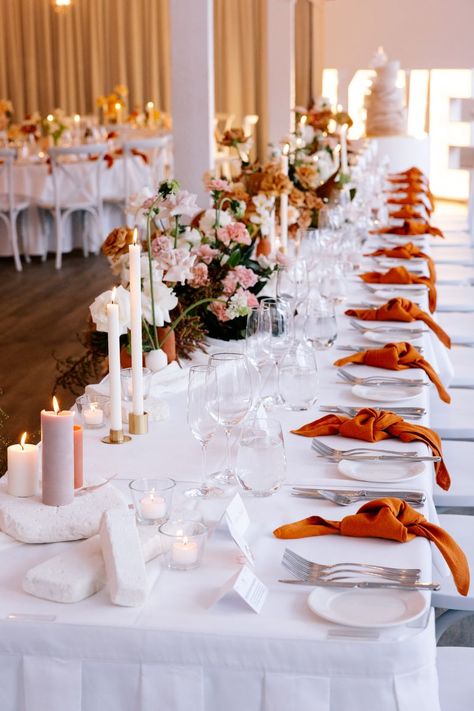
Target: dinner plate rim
<point>342,465</point>
<point>416,392</point>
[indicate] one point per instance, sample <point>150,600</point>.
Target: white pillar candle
<point>344,162</point>
<point>22,462</point>
<point>284,221</point>
<point>114,365</point>
<point>93,415</point>
<point>152,507</point>
<point>57,455</point>
<point>184,552</point>
<point>150,114</point>
<point>118,112</point>
<point>134,253</point>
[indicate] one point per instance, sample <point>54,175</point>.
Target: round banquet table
<point>182,649</point>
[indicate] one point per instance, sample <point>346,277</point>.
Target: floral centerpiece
<point>54,125</point>
<point>114,104</point>
<point>6,113</point>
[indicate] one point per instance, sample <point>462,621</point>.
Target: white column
<point>192,85</point>
<point>281,67</point>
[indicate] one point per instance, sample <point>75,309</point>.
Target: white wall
<point>422,34</point>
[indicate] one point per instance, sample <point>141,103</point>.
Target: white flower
<point>325,165</point>
<point>165,301</point>
<point>264,262</point>
<point>293,214</point>
<point>181,270</point>
<point>262,202</point>
<point>99,309</point>
<point>207,223</point>
<point>191,237</point>
<point>135,206</point>
<point>238,306</point>
<point>322,103</point>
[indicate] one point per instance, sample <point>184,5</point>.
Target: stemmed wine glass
<point>293,283</point>
<point>234,400</point>
<point>282,333</point>
<point>202,400</point>
<point>258,336</point>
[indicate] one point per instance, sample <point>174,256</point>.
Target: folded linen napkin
<point>412,173</point>
<point>409,228</point>
<point>400,309</point>
<point>376,425</point>
<point>388,518</point>
<point>406,251</point>
<point>406,212</point>
<point>412,186</point>
<point>401,275</point>
<point>397,356</point>
<point>410,199</point>
<point>171,379</point>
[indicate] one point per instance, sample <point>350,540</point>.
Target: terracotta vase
<point>264,247</point>
<point>169,346</point>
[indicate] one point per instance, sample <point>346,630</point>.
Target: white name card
<point>247,587</point>
<point>238,521</point>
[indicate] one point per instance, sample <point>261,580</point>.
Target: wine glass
<point>292,282</point>
<point>320,328</point>
<point>282,335</point>
<point>258,335</point>
<point>298,377</point>
<point>234,400</point>
<point>202,400</point>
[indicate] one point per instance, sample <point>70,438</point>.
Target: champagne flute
<point>202,400</point>
<point>234,400</point>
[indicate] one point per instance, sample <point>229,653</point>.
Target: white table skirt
<point>179,651</point>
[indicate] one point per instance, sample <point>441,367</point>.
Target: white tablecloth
<point>180,652</point>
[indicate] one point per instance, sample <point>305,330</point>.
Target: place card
<point>238,521</point>
<point>247,587</point>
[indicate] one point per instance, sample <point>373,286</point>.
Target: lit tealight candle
<point>153,507</point>
<point>93,415</point>
<point>22,468</point>
<point>184,551</point>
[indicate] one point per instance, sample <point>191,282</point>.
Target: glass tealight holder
<point>152,499</point>
<point>183,543</point>
<point>90,412</point>
<point>127,386</point>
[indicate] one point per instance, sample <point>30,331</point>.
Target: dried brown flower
<point>117,242</point>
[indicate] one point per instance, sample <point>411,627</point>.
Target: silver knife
<point>417,496</point>
<point>355,408</point>
<point>381,458</point>
<point>365,585</point>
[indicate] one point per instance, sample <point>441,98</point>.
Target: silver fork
<point>326,449</point>
<point>387,329</point>
<point>411,412</point>
<point>380,380</point>
<point>307,570</point>
<point>374,456</point>
<point>357,348</point>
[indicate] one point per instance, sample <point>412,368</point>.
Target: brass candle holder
<point>116,437</point>
<point>138,424</point>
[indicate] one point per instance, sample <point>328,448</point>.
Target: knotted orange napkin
<point>409,199</point>
<point>397,356</point>
<point>412,187</point>
<point>406,212</point>
<point>412,173</point>
<point>400,310</point>
<point>388,518</point>
<point>406,251</point>
<point>409,228</point>
<point>400,275</point>
<point>375,425</point>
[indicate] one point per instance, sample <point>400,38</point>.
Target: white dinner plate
<point>386,393</point>
<point>368,608</point>
<point>402,335</point>
<point>380,471</point>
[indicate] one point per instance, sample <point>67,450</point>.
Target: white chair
<point>249,123</point>
<point>10,204</point>
<point>456,680</point>
<point>135,174</point>
<point>75,189</point>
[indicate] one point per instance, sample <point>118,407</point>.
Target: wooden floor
<point>42,311</point>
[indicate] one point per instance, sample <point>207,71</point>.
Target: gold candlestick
<point>116,437</point>
<point>138,424</point>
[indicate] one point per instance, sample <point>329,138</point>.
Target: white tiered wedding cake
<point>386,114</point>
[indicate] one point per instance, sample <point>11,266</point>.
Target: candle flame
<point>135,235</point>
<point>185,541</point>
<point>77,118</point>
<point>286,149</point>
<point>50,117</point>
<point>114,291</point>
<point>179,532</point>
<point>93,406</point>
<point>23,440</point>
<point>150,105</point>
<point>55,404</point>
<point>303,119</point>
<point>118,106</point>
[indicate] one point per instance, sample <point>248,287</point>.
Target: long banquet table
<point>182,650</point>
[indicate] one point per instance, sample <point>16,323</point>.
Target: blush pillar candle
<point>78,457</point>
<point>134,253</point>
<point>114,365</point>
<point>57,437</point>
<point>22,463</point>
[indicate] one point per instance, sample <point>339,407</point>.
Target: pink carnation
<point>252,301</point>
<point>246,277</point>
<point>219,310</point>
<point>206,254</point>
<point>199,275</point>
<point>282,259</point>
<point>230,282</point>
<point>235,232</point>
<point>222,186</point>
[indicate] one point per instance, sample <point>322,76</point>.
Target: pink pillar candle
<point>78,457</point>
<point>57,438</point>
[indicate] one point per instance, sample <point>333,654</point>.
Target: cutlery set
<point>343,497</point>
<point>412,413</point>
<point>375,380</point>
<point>387,329</point>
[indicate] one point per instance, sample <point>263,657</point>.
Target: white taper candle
<point>134,252</point>
<point>114,365</point>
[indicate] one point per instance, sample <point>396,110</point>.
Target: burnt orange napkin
<point>400,275</point>
<point>376,425</point>
<point>410,199</point>
<point>412,187</point>
<point>388,518</point>
<point>406,212</point>
<point>406,251</point>
<point>397,356</point>
<point>399,309</point>
<point>413,173</point>
<point>409,228</point>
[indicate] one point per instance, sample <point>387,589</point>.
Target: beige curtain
<point>66,60</point>
<point>309,50</point>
